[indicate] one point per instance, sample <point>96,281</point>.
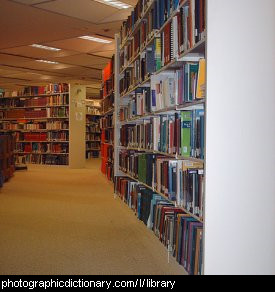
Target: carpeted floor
<point>59,221</point>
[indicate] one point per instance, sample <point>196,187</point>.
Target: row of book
<point>187,84</point>
<point>51,126</point>
<point>176,229</point>
<point>38,90</point>
<point>107,122</point>
<point>49,136</point>
<point>92,145</point>
<point>182,32</point>
<point>93,128</point>
<point>48,159</point>
<point>54,100</point>
<point>108,136</point>
<point>92,136</point>
<point>179,134</point>
<point>42,147</point>
<point>92,154</point>
<point>181,181</point>
<point>60,112</point>
<point>108,79</point>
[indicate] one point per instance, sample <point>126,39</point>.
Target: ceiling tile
<point>83,46</point>
<point>31,2</point>
<point>84,60</point>
<point>84,9</point>
<point>29,51</point>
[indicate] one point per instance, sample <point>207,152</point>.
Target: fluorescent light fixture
<point>95,39</point>
<point>47,62</point>
<point>45,47</point>
<point>116,4</point>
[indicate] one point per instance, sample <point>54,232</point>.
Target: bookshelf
<point>93,131</point>
<point>159,118</point>
<point>39,119</point>
<point>7,161</point>
<point>107,121</point>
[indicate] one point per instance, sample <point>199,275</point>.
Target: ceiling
<point>56,23</point>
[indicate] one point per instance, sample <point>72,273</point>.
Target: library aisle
<point>56,220</point>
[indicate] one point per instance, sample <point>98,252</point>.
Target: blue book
<point>153,95</point>
<point>161,12</point>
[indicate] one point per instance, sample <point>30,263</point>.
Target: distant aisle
<point>55,220</point>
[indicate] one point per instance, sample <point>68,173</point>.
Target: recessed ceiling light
<point>94,39</point>
<point>45,47</point>
<point>47,62</point>
<point>116,4</point>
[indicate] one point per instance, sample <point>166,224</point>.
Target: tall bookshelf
<point>93,131</point>
<point>107,120</point>
<point>159,123</point>
<point>39,119</point>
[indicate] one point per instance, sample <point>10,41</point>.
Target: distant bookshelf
<point>7,161</point>
<point>38,116</point>
<point>93,131</point>
<point>106,122</point>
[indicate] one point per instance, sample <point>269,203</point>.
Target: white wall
<point>240,146</point>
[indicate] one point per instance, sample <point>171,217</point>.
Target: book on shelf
<point>179,134</point>
<point>181,181</point>
<point>175,228</point>
<point>38,90</point>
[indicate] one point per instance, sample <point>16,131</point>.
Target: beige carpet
<point>59,221</point>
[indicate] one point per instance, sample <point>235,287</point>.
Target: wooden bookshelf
<point>56,103</point>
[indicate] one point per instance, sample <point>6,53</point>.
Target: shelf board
<point>25,107</point>
<point>174,156</point>
<point>29,131</point>
<point>186,105</point>
<point>93,149</point>
<point>141,84</point>
<point>51,141</point>
<point>41,153</point>
<point>110,111</point>
<point>93,141</point>
<point>163,195</point>
<point>34,96</point>
<point>38,119</point>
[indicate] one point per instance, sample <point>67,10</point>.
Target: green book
<point>142,168</point>
<point>186,121</point>
<point>158,53</point>
<point>194,69</point>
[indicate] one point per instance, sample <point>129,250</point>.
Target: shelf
<point>123,43</point>
<point>107,143</point>
<point>108,95</point>
<point>93,149</point>
<point>163,195</point>
<point>94,115</point>
<point>93,141</point>
<point>41,153</point>
<point>110,111</point>
<point>38,119</point>
<point>187,105</point>
<point>34,96</point>
<point>174,156</point>
<point>27,131</point>
<point>52,141</point>
<point>25,107</point>
<point>135,87</point>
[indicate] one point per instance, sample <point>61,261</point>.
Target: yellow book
<point>201,80</point>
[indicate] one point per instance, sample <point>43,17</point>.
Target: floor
<point>59,221</point>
